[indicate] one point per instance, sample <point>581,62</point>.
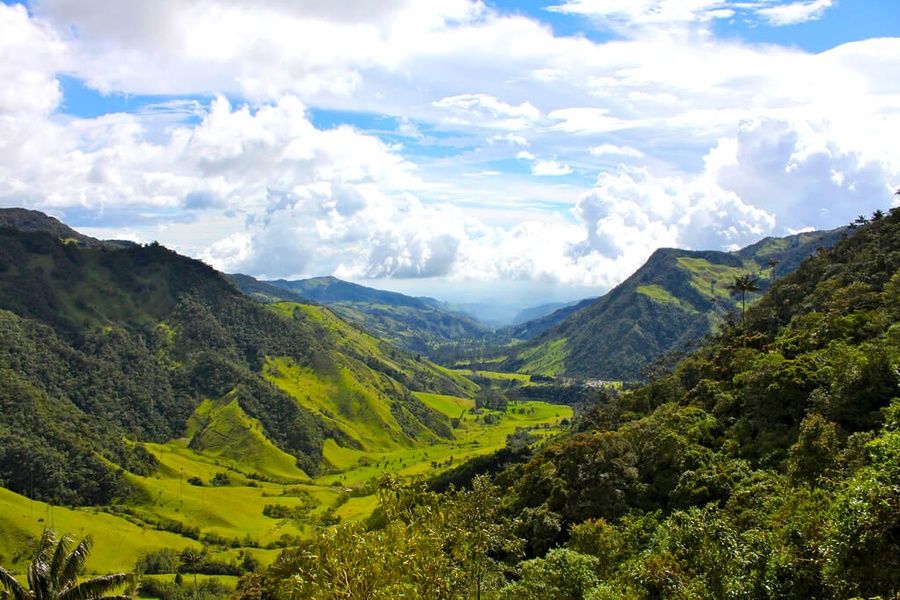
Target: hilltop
<point>674,299</point>
<point>415,324</point>
<point>105,347</point>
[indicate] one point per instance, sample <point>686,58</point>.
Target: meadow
<point>215,495</point>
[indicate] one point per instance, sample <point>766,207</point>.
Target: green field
<point>259,474</point>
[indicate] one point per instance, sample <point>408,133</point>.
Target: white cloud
<point>488,111</point>
<point>669,13</point>
<point>795,12</point>
<point>613,150</point>
<point>647,11</point>
<point>587,120</point>
<point>550,168</point>
<point>513,139</point>
<point>790,139</point>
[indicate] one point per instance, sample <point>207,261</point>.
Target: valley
<point>230,517</point>
<point>236,442</point>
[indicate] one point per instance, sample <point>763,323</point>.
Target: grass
<point>548,358</point>
<point>473,437</point>
<point>451,406</point>
<point>661,294</point>
<point>235,511</point>
<point>496,375</point>
<point>221,429</point>
<point>712,279</point>
<point>118,542</point>
<point>358,409</point>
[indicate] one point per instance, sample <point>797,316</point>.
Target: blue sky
<point>529,151</point>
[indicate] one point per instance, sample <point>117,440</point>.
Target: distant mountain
<point>104,347</point>
<point>416,324</point>
<point>537,312</point>
<point>23,219</point>
<point>264,291</point>
<point>675,298</point>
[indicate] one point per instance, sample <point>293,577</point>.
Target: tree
<point>190,560</point>
<point>743,284</point>
<point>55,571</point>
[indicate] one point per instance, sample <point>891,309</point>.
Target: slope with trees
<point>415,324</point>
<point>103,344</point>
<point>765,465</point>
<point>676,298</point>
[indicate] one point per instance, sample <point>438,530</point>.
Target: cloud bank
<point>558,160</point>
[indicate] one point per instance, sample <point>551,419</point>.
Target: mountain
<point>264,291</point>
<point>415,324</point>
<point>526,330</point>
<point>23,219</point>
<point>764,465</point>
<point>674,299</point>
<point>537,312</point>
<point>104,348</point>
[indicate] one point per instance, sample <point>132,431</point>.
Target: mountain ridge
<point>674,299</point>
<point>125,343</point>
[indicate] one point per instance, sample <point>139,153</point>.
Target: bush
<point>157,562</point>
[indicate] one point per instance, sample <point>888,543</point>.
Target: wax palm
<point>54,571</point>
<point>743,284</point>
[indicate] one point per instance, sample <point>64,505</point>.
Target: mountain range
<point>105,346</point>
<point>674,299</point>
<point>415,324</point>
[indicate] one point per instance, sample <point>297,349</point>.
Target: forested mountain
<point>765,465</point>
<point>538,312</point>
<point>416,324</point>
<point>102,347</point>
<point>674,299</point>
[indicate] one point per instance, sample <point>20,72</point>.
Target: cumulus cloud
<point>550,168</point>
<point>513,139</point>
<point>613,150</point>
<point>628,13</point>
<point>647,11</point>
<point>795,12</point>
<point>790,139</point>
<point>485,109</point>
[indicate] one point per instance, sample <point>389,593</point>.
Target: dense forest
<point>673,300</point>
<point>103,347</point>
<point>765,465</point>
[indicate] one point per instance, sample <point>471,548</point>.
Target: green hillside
<point>141,343</point>
<point>764,465</point>
<point>676,298</point>
<point>415,324</point>
<point>167,409</point>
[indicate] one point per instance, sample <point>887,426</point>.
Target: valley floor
<point>170,511</point>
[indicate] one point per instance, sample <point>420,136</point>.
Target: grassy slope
<point>118,541</point>
<point>366,386</point>
<point>221,429</point>
<point>411,323</point>
<point>235,511</point>
<point>676,297</point>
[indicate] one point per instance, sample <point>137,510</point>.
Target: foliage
<point>667,305</point>
<point>100,344</point>
<point>56,573</point>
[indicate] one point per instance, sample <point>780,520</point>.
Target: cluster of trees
<point>765,465</point>
<point>101,344</point>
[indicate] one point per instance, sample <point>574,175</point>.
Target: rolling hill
<point>105,348</point>
<point>415,324</point>
<point>674,299</point>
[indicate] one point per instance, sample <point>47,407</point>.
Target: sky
<point>498,151</point>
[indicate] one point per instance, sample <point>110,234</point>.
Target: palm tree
<point>743,284</point>
<point>54,574</point>
<point>190,560</point>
